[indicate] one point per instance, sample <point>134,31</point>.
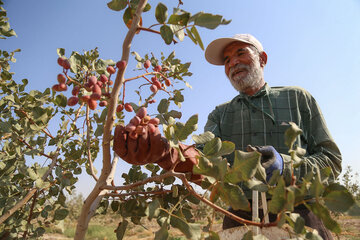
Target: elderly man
<point>258,116</point>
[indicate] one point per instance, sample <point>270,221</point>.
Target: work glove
<point>149,146</point>
<point>271,160</point>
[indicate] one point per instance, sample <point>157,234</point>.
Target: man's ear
<point>263,59</point>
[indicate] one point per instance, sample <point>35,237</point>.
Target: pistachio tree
<point>90,98</point>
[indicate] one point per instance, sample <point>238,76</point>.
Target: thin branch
<point>153,31</point>
<point>139,183</point>
<point>121,195</point>
<point>88,145</point>
<point>182,177</point>
<point>32,122</point>
<point>30,214</point>
<point>30,147</point>
<point>18,205</point>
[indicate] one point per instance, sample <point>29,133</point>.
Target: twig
<point>120,195</point>
<point>30,214</point>
<point>30,147</point>
<point>32,122</point>
<point>153,31</point>
<point>88,145</point>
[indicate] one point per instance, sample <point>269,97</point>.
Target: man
<point>258,116</point>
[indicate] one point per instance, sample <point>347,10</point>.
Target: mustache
<point>238,67</point>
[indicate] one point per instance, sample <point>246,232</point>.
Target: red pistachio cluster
<point>97,87</point>
<point>140,123</point>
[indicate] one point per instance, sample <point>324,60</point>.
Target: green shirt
<point>262,119</point>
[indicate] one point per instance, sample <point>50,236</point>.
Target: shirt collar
<point>262,92</point>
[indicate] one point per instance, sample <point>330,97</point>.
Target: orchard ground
<point>102,227</point>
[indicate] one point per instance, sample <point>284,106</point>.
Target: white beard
<point>252,79</point>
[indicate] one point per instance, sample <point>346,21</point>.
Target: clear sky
<point>310,43</point>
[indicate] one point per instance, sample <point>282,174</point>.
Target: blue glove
<point>271,160</point>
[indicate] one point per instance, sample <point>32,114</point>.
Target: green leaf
<point>227,147</point>
<point>128,15</point>
<point>161,13</point>
<point>316,188</point>
<point>32,174</point>
<point>208,20</point>
<point>257,185</point>
<point>212,147</point>
<point>299,225</point>
<point>61,100</point>
<point>180,20</point>
<point>203,138</point>
<point>99,130</point>
<point>278,200</point>
<point>163,233</point>
<point>61,214</point>
<point>60,52</point>
<point>166,34</point>
<point>191,36</point>
<point>153,209</point>
<point>117,5</point>
<point>191,230</point>
<point>147,7</point>
<point>234,196</point>
<point>115,206</point>
<point>337,198</point>
<point>189,127</point>
<point>178,31</point>
<point>197,37</point>
<point>324,214</point>
<point>163,106</point>
<point>244,167</point>
<point>39,183</point>
<point>120,230</point>
<point>248,235</point>
<point>213,236</point>
<point>291,134</point>
<point>137,56</point>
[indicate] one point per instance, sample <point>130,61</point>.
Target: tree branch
<point>120,195</point>
<point>153,31</point>
<point>88,144</point>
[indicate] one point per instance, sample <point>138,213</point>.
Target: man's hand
<point>142,145</point>
<point>146,148</point>
<point>271,160</point>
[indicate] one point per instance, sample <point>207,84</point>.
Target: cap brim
<point>214,51</point>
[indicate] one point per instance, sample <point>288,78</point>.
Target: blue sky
<point>310,43</point>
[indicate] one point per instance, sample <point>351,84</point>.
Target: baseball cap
<point>214,51</point>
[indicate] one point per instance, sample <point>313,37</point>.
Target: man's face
<point>242,66</point>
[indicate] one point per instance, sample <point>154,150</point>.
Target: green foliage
<point>25,117</point>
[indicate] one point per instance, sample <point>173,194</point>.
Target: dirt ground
<point>350,231</point>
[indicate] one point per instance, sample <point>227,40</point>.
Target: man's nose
<point>233,61</point>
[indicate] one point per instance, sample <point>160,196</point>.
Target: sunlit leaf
<point>117,5</point>
<point>197,37</point>
<point>234,196</point>
<point>278,200</point>
<point>244,167</point>
<point>212,147</point>
<point>166,34</point>
<point>324,214</point>
<point>337,198</point>
<point>291,134</point>
<point>161,13</point>
<point>203,138</point>
<point>120,230</point>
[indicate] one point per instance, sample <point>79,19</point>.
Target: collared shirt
<point>263,118</point>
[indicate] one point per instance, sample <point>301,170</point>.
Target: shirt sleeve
<point>213,122</point>
<point>321,149</point>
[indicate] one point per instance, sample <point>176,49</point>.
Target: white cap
<point>214,51</point>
